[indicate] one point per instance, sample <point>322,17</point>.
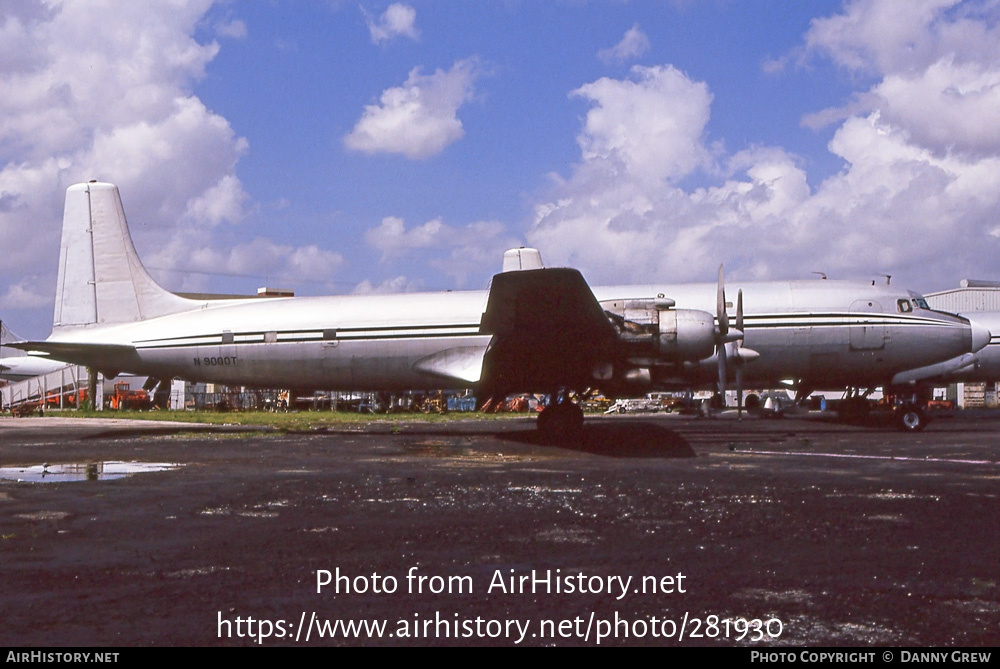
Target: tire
<point>911,419</point>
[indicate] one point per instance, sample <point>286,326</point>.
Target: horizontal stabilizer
<point>115,357</point>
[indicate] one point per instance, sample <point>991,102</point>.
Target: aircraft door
<point>338,363</point>
<point>867,328</point>
<point>227,353</point>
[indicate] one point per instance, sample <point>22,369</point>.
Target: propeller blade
<point>720,306</point>
<point>739,310</point>
<point>722,336</point>
<point>739,392</point>
<point>731,336</point>
<point>721,357</point>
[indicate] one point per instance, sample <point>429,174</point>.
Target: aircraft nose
<point>981,336</point>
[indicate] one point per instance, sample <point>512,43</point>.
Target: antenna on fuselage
<point>822,275</point>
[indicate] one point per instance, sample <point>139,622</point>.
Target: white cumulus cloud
<point>633,44</point>
<point>420,118</point>
<point>398,20</point>
<point>104,90</point>
<point>398,284</point>
<point>937,64</point>
<point>652,123</point>
<point>918,197</point>
<point>457,252</point>
<point>278,265</point>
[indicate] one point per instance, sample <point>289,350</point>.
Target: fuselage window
<point>904,306</point>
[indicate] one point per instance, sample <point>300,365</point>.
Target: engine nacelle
<point>653,331</point>
<point>686,334</point>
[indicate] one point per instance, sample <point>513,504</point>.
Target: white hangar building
<point>971,296</point>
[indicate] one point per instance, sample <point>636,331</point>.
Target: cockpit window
<point>921,303</point>
<point>904,306</point>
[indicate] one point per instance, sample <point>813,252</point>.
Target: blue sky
<point>345,147</point>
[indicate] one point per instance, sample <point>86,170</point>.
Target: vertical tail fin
<point>101,279</point>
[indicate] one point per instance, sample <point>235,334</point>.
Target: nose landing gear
<point>911,418</point>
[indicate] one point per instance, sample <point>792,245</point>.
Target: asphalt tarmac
<point>643,530</point>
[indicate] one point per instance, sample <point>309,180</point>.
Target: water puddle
<point>82,471</point>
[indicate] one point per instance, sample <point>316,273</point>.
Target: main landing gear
<point>561,417</point>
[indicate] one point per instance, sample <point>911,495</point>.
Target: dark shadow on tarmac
<point>161,431</point>
<point>616,440</point>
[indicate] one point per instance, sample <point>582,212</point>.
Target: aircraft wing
<point>548,331</point>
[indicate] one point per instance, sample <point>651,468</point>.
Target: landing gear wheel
<point>911,419</point>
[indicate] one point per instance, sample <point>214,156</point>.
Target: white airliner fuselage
<point>21,367</point>
<point>829,333</point>
<point>534,330</point>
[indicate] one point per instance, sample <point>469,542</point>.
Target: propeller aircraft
<point>536,329</point>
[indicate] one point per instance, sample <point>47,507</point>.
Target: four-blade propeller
<point>729,343</point>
